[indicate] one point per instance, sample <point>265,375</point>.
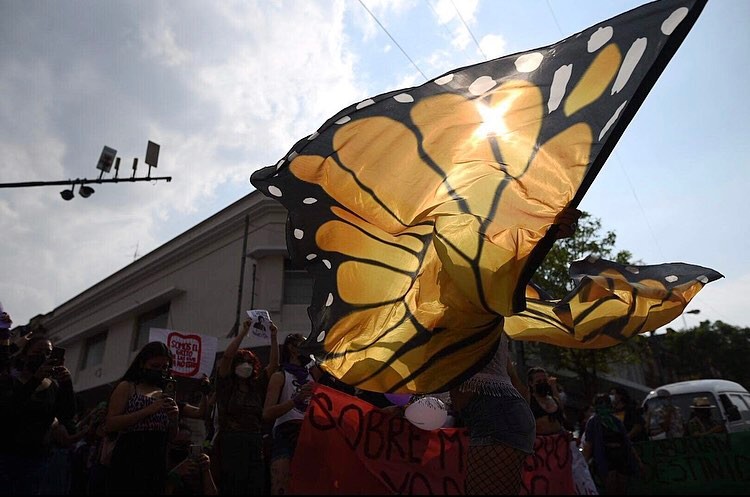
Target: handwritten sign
<point>548,471</point>
<point>370,452</point>
<point>193,354</point>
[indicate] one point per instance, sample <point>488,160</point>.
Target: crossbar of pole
<point>84,181</point>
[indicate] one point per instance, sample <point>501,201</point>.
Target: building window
<point>298,284</point>
<point>156,318</point>
<point>93,352</point>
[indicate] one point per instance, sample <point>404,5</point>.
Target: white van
<point>731,399</point>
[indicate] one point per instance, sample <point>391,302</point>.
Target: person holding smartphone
<point>146,421</point>
<point>39,391</point>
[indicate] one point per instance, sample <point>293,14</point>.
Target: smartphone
<point>58,356</point>
<point>170,388</point>
<point>195,451</point>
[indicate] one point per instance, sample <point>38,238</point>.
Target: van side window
<point>733,411</point>
<point>739,401</point>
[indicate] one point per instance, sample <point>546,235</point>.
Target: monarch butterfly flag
<point>422,213</point>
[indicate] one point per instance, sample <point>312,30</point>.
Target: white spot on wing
<point>529,62</point>
<point>635,52</point>
<point>444,79</point>
<point>600,37</point>
<point>312,136</point>
<point>273,190</point>
<point>559,85</point>
<point>309,200</point>
<point>298,234</point>
<point>702,278</point>
<point>612,120</point>
<point>311,256</point>
<point>321,336</point>
<point>365,103</point>
<point>344,120</point>
<point>329,300</point>
<point>327,263</point>
<point>632,269</point>
<point>671,22</point>
<point>481,85</point>
<point>403,98</point>
<point>671,278</point>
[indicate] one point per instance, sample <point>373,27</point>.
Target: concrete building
<point>190,284</point>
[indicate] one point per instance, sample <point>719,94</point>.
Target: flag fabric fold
<point>610,303</point>
<point>422,213</point>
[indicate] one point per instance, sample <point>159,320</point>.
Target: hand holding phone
<point>195,451</point>
<point>170,388</point>
<point>57,357</point>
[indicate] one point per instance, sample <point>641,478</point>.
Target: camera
<point>170,388</point>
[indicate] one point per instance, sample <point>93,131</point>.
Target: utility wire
<point>393,40</point>
<point>469,30</point>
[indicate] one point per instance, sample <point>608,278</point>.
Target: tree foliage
<point>723,353</point>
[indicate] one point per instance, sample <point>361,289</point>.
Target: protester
<point>626,411</point>
<point>701,422</point>
<point>498,417</point>
<point>58,475</point>
<point>189,474</point>
<point>241,385</point>
<point>38,391</point>
<point>607,446</point>
<point>145,420</point>
<point>552,440</point>
<point>665,420</point>
<point>287,398</point>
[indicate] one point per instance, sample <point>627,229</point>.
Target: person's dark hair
<point>34,339</point>
<point>149,351</point>
<point>247,355</point>
<point>532,371</point>
<point>292,339</point>
<point>19,360</point>
<point>602,399</point>
<point>624,395</point>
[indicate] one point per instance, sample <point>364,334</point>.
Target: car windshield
<point>683,402</point>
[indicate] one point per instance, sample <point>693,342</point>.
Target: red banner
<point>348,446</point>
<point>548,471</point>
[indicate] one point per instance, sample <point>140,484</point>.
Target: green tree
<point>553,276</point>
<point>724,350</point>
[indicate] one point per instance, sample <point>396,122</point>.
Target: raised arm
<point>273,356</point>
<point>225,364</point>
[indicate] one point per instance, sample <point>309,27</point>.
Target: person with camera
<point>145,419</point>
<point>189,467</point>
<point>38,390</point>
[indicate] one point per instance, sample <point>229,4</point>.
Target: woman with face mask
<point>38,391</point>
<point>288,394</point>
<point>241,385</point>
<point>145,421</point>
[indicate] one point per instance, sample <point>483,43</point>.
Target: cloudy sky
<point>227,87</point>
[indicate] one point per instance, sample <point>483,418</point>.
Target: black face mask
<point>543,388</point>
<point>154,377</point>
<point>34,362</point>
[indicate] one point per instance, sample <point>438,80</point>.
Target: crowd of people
<point>138,441</point>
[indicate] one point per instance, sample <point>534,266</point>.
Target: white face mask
<point>243,370</point>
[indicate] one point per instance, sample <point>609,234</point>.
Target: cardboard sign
<point>193,354</point>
